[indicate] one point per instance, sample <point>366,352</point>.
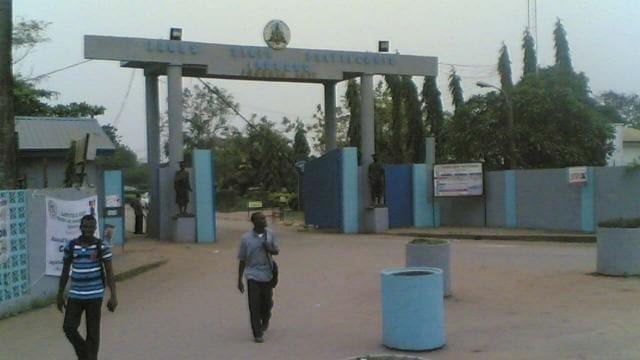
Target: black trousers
<point>86,349</point>
<point>138,228</point>
<point>260,304</point>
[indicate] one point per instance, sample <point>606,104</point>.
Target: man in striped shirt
<point>85,257</point>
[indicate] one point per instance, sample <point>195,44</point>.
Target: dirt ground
<point>511,300</point>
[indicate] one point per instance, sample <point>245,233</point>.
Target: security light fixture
<point>175,34</point>
<point>383,46</point>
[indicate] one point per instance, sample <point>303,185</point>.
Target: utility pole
<point>7,125</point>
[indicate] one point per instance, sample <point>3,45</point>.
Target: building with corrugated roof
<point>43,145</point>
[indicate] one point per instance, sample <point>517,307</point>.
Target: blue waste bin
<point>412,308</point>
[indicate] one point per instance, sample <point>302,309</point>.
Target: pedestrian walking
<point>89,260</point>
<point>139,212</point>
<point>256,248</point>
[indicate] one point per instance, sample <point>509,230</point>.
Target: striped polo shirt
<point>86,269</point>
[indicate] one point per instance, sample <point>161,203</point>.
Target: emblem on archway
<point>276,34</point>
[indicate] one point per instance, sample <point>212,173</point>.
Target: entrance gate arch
<point>175,59</point>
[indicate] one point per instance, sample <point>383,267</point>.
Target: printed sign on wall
<point>63,225</point>
<point>457,179</point>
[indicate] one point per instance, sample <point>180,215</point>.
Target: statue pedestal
<point>184,229</point>
<point>376,219</point>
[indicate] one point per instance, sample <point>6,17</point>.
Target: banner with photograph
<point>5,228</point>
<point>63,225</point>
<point>457,179</point>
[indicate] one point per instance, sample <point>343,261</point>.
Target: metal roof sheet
<point>56,133</point>
<point>630,134</point>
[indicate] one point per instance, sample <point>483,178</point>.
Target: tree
<point>26,35</point>
<point>415,143</point>
<point>475,133</point>
<point>434,114</point>
<point>530,60</point>
<point>504,69</point>
<point>455,88</point>
<point>561,45</point>
<point>626,106</point>
<point>558,123</point>
<point>205,114</point>
<point>352,102</point>
<point>301,148</point>
<point>269,157</point>
<point>397,140</point>
<point>27,98</point>
<point>7,124</point>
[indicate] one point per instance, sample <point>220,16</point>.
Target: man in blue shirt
<point>256,248</point>
<point>85,257</point>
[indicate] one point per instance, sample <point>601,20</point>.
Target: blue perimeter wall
<point>544,199</point>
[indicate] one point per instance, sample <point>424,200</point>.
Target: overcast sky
<point>603,36</point>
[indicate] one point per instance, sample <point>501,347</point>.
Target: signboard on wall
<point>5,228</point>
<point>63,225</point>
<point>577,174</point>
<point>457,180</point>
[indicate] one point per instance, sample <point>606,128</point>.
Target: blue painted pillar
<point>348,190</point>
<point>113,205</point>
<point>422,199</point>
<point>587,202</point>
<point>510,216</point>
<point>204,195</point>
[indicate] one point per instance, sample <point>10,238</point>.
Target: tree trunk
<point>7,126</point>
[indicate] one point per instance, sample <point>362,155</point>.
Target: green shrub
<point>275,199</point>
<point>621,223</point>
<point>226,200</point>
<point>429,241</point>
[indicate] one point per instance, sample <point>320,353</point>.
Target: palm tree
<point>415,125</point>
<point>352,97</point>
<point>455,88</point>
<point>561,45</point>
<point>530,60</point>
<point>433,109</point>
<point>504,69</point>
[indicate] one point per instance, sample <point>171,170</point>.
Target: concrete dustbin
<point>412,308</point>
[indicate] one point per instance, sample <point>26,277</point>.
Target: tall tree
<point>561,45</point>
<point>530,59</point>
<point>352,102</point>
<point>433,109</point>
<point>415,126</point>
<point>455,88</point>
<point>504,69</point>
<point>397,116</point>
<point>301,148</point>
<point>7,125</point>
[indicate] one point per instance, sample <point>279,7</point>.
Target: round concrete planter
<point>618,251</point>
<point>385,357</point>
<point>412,308</point>
<point>431,253</point>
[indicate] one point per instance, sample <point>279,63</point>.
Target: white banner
<point>5,228</point>
<point>63,225</point>
<point>457,179</point>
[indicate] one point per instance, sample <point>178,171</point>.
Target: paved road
<point>511,300</point>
